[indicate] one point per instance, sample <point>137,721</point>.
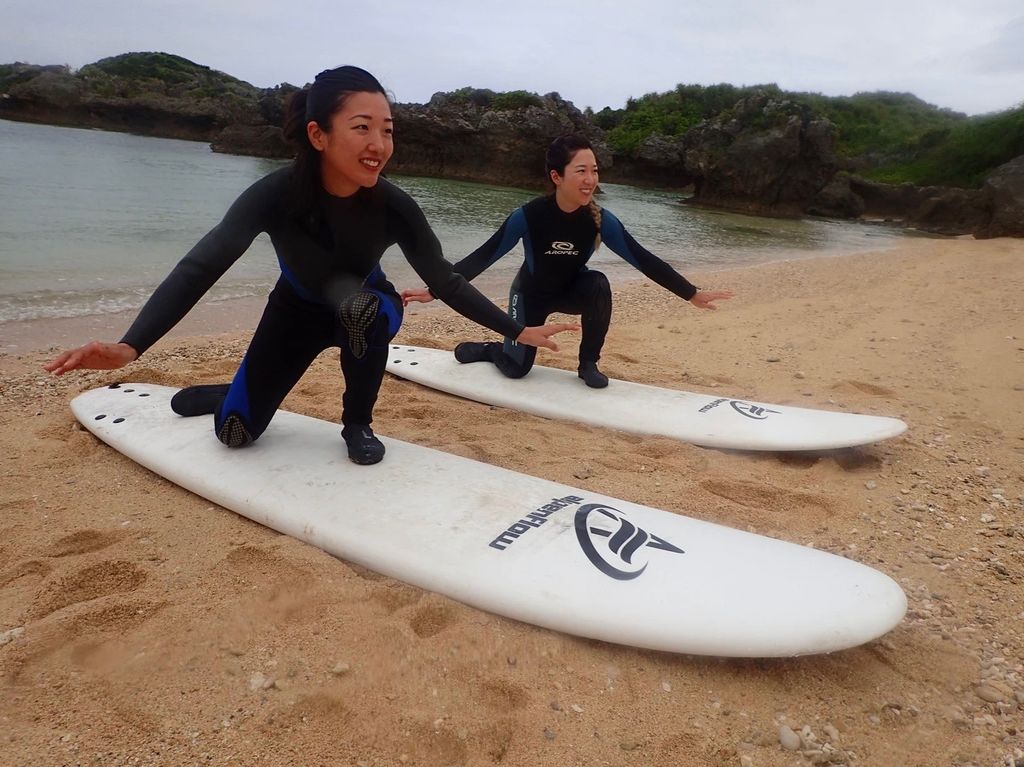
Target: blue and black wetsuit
<point>554,276</point>
<point>332,292</point>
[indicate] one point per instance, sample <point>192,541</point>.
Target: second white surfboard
<point>700,419</point>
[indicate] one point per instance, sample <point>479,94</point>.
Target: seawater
<point>91,221</point>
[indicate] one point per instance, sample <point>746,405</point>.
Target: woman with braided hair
<point>560,232</point>
<point>330,218</point>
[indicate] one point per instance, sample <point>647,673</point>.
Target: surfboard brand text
<point>712,405</point>
<point>532,520</point>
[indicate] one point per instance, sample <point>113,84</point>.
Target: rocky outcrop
<point>192,102</point>
<point>261,136</point>
<point>475,135</point>
<point>837,199</point>
<point>995,210</point>
<point>942,210</point>
<point>765,156</point>
<point>657,161</point>
<point>254,140</point>
<point>1004,189</point>
<point>479,135</point>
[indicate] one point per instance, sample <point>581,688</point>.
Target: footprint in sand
<point>504,695</point>
<point>89,638</point>
<point>437,744</point>
<point>258,564</point>
<point>414,411</point>
<point>756,495</point>
<point>117,618</point>
<point>30,568</point>
<point>83,542</point>
<point>395,596</point>
<point>97,580</point>
<point>323,709</point>
<point>864,388</point>
<point>432,620</point>
<point>622,357</point>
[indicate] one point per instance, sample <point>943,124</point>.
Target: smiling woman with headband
<point>330,217</point>
<point>560,232</point>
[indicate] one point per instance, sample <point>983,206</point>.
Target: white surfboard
<point>533,550</point>
<point>700,419</point>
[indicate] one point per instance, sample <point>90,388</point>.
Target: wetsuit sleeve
<point>615,236</point>
<point>499,243</point>
<point>201,267</point>
<point>423,252</point>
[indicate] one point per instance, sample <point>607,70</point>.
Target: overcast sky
<point>965,55</point>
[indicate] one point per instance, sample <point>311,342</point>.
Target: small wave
<point>66,304</point>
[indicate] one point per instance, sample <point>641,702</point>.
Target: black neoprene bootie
<point>199,400</point>
<point>363,447</point>
<point>591,376</point>
<point>472,351</point>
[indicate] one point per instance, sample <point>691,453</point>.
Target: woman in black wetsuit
<point>560,233</point>
<point>330,218</point>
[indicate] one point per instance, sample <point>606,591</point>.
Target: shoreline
<point>236,316</point>
<point>142,624</point>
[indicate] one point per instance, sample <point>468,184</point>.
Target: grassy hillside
<point>892,137</point>
<point>669,114</point>
<point>132,74</point>
<point>962,155</point>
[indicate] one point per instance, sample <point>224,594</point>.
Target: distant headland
<point>758,150</point>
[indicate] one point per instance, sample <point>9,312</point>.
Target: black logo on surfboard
<point>747,409</point>
<point>750,410</point>
<point>614,544</point>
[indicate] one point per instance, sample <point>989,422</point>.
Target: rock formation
<point>479,135</point>
<point>765,156</point>
<point>1004,190</point>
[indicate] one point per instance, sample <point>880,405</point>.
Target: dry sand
<point>142,626</point>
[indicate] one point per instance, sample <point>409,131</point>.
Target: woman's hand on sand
<point>540,335</point>
<point>704,299</point>
<point>419,295</point>
<point>95,355</point>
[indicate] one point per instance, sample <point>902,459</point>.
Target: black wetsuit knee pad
<point>357,315</point>
<point>234,433</point>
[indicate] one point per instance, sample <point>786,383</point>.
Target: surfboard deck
<point>537,551</point>
<point>700,419</point>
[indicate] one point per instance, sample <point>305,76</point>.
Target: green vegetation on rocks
<point>890,137</point>
<point>134,74</point>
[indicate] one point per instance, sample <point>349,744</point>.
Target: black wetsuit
<point>332,292</point>
<point>554,276</point>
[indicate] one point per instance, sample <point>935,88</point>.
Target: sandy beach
<point>141,625</point>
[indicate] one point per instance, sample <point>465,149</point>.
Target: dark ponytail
<point>560,153</point>
<point>318,102</point>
